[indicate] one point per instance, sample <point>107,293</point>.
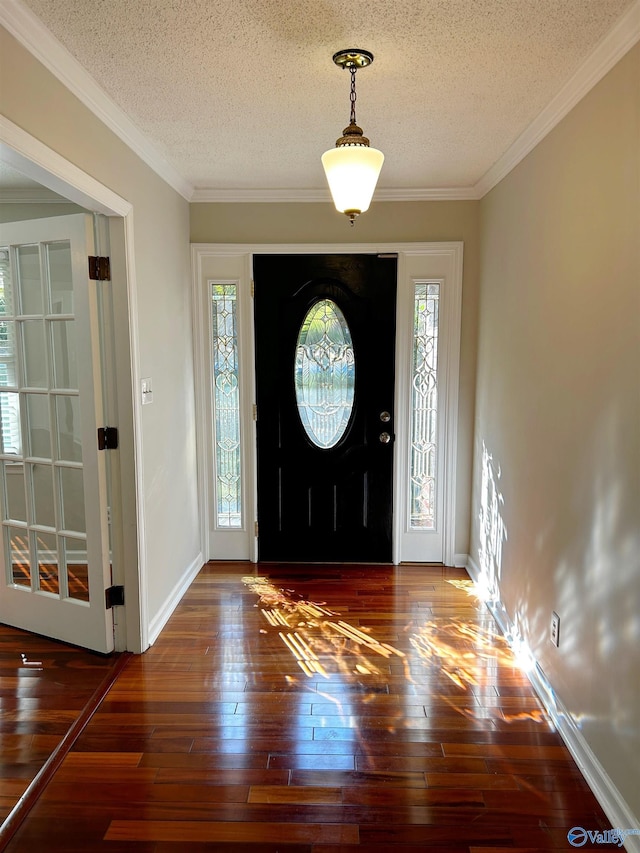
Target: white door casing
<point>439,264</point>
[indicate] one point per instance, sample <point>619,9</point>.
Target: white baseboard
<point>460,561</point>
<point>175,596</point>
<point>613,803</point>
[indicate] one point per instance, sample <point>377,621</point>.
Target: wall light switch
<point>146,389</point>
<point>555,629</point>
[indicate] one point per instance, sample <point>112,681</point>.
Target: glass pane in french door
<point>41,479</point>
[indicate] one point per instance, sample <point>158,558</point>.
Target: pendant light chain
<point>352,167</point>
<point>352,95</point>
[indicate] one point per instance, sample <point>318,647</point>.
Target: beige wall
<point>557,439</point>
<point>38,103</point>
<point>384,222</point>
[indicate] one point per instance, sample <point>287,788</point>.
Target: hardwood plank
<point>215,761</point>
<point>393,763</point>
<point>133,743</point>
<point>232,847</point>
<point>230,776</point>
<point>447,836</point>
<point>176,706</point>
<point>102,759</point>
<point>547,767</point>
<point>86,774</point>
<point>190,831</point>
<point>313,762</point>
<point>374,796</point>
<point>561,782</point>
<point>10,792</point>
<point>384,848</point>
<point>350,778</point>
<point>231,741</point>
<point>504,849</point>
<point>580,802</point>
<point>531,752</point>
<point>479,781</point>
<point>295,795</point>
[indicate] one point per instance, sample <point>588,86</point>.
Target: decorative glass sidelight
<point>424,407</point>
<point>324,374</point>
<point>226,405</point>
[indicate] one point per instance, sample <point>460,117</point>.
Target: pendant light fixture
<point>352,167</point>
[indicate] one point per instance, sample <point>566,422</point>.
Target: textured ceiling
<point>242,94</point>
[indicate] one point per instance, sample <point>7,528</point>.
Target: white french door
<point>54,553</point>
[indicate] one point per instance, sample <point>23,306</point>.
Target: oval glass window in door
<point>325,373</point>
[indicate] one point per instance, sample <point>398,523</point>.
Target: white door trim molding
<point>44,165</point>
<point>449,255</point>
<point>419,263</point>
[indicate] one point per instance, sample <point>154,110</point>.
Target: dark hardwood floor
<point>316,709</point>
<point>44,687</point>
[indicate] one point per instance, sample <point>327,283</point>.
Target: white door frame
<point>37,161</point>
<point>233,262</point>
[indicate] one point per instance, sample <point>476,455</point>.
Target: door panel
<point>325,498</point>
<point>54,557</point>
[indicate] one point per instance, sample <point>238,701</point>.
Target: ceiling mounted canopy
<point>352,167</point>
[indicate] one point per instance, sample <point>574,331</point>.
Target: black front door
<point>325,366</point>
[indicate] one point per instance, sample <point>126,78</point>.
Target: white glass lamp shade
<point>352,172</point>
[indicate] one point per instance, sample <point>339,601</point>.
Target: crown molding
<point>29,30</point>
<point>609,50</point>
<point>430,194</point>
<point>315,195</point>
<point>211,194</point>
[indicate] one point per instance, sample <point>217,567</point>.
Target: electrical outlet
<point>555,629</point>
